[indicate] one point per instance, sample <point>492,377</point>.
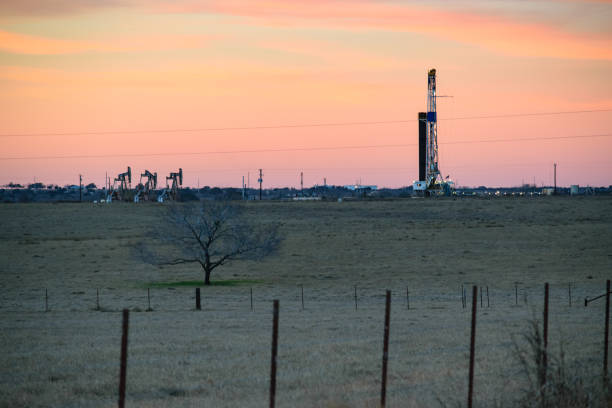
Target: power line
<point>292,170</point>
<point>516,115</point>
<point>298,149</point>
<point>525,139</point>
<point>310,125</point>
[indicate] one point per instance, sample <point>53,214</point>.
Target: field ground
<point>329,353</point>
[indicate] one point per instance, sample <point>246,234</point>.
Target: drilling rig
<point>171,192</point>
<point>146,190</point>
<point>122,185</point>
<point>430,181</point>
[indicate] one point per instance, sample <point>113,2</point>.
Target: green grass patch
<point>199,283</point>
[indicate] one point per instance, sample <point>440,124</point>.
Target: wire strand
<point>270,127</point>
<point>298,149</point>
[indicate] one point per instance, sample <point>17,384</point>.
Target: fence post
<point>545,351</point>
<point>488,305</point>
<point>355,297</point>
<point>472,347</point>
<point>383,389</point>
<point>302,288</point>
<point>274,352</point>
<point>407,299</point>
<point>607,328</point>
<point>251,299</point>
<point>198,302</point>
<point>462,296</point>
<point>569,290</point>
<point>516,294</point>
<point>46,301</point>
<point>97,299</point>
<point>124,350</point>
<point>149,300</point>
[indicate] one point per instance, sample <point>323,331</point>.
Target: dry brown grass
<point>330,354</point>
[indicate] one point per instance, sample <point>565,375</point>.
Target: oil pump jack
<point>145,191</point>
<point>171,192</point>
<point>177,182</point>
<point>121,187</point>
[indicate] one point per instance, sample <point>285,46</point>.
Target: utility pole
<point>324,181</point>
<point>260,180</point>
<point>302,182</point>
<point>555,190</point>
<point>80,188</point>
<point>242,188</point>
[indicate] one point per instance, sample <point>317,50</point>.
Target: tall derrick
<point>430,178</point>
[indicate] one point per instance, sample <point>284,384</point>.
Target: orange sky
<point>73,66</point>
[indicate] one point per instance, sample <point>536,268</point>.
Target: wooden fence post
<point>198,300</point>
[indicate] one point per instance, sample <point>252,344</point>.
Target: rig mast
<point>430,180</point>
<point>432,168</point>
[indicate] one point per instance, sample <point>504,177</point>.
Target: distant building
<point>359,187</point>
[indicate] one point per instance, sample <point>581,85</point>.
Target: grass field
<point>329,354</point>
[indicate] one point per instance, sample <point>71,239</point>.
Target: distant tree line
<point>39,192</point>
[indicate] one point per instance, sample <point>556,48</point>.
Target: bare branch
<point>210,233</point>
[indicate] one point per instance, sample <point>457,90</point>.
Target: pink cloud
<point>494,32</point>
<point>54,7</point>
<point>28,44</point>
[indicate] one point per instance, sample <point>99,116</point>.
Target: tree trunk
<point>206,277</point>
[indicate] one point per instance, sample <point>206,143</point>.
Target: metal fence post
<point>302,288</point>
<point>545,351</point>
<point>607,329</point>
<point>383,389</point>
<point>274,352</point>
<point>407,299</point>
<point>124,350</point>
<point>472,348</point>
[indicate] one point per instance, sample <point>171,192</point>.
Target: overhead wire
<point>290,126</point>
<point>298,149</point>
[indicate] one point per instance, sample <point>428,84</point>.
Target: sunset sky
<point>75,74</point>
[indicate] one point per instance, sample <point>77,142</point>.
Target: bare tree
<point>211,234</point>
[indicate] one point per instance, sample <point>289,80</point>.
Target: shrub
<point>559,383</point>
